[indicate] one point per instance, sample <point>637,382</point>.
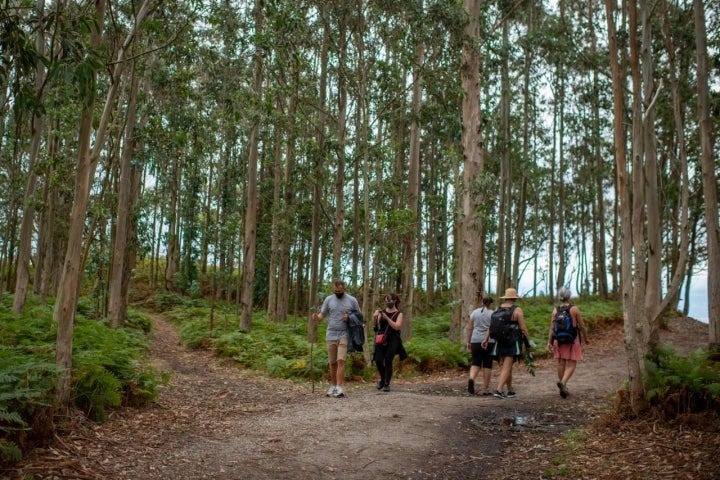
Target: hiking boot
<point>338,392</point>
<point>471,386</point>
<point>380,384</point>
<point>386,388</point>
<point>510,394</point>
<point>499,394</point>
<point>563,390</point>
<point>331,391</point>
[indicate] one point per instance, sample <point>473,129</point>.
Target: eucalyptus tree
<point>639,193</point>
<point>709,174</point>
<point>471,277</point>
<point>250,239</point>
<point>37,126</point>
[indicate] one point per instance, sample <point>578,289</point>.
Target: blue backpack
<point>563,329</point>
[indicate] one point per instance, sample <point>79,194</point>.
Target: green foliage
<point>26,383</point>
<point>680,385</point>
<point>282,350</point>
<point>105,372</point>
<point>433,353</point>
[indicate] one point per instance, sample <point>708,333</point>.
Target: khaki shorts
<point>337,349</point>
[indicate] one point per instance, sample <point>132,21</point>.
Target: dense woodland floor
<point>214,421</point>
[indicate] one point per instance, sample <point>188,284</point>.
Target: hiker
<point>481,356</point>
<point>570,352</point>
<point>508,349</point>
<point>336,308</point>
<point>388,322</point>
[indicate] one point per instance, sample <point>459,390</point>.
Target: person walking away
<point>481,356</point>
<point>336,308</point>
<point>388,320</point>
<point>508,351</point>
<point>567,354</point>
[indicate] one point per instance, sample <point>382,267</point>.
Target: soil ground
<point>214,421</point>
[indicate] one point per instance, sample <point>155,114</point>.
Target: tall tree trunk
<point>410,237</point>
<point>339,217</point>
<point>116,300</point>
<point>709,177</point>
<point>28,215</point>
<point>248,285</point>
<point>64,312</point>
<point>317,190</point>
<point>471,226</point>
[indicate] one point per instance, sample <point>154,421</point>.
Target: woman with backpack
<point>509,339</point>
<point>567,352</point>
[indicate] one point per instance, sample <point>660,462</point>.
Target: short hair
<point>488,301</point>
<point>339,283</point>
<point>564,293</point>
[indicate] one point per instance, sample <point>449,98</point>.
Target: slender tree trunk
<point>410,237</point>
<point>28,215</point>
<point>317,190</point>
<point>709,177</point>
<point>64,313</point>
<point>252,195</point>
<point>116,301</point>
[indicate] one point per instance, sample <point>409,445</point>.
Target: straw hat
<point>510,294</point>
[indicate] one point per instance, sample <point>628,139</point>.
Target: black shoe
<point>471,386</point>
<point>499,394</point>
<point>386,388</point>
<point>380,384</point>
<point>563,390</point>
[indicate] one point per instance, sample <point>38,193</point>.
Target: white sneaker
<point>331,391</point>
<point>338,392</point>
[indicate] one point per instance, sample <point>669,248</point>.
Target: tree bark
<point>28,216</point>
<point>471,227</point>
<point>709,177</point>
<point>252,198</point>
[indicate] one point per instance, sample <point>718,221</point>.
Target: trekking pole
<point>312,338</point>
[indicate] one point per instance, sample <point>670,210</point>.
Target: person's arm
<point>575,313</point>
<point>520,317</point>
<point>550,331</point>
<point>471,324</point>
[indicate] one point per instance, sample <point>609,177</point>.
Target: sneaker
<point>510,394</point>
<point>487,393</point>
<point>499,394</point>
<point>380,384</point>
<point>338,392</point>
<point>563,391</point>
<point>331,391</point>
<point>471,386</point>
<point>386,388</point>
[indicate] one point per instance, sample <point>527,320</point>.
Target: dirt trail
<point>215,421</point>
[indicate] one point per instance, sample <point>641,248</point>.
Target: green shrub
<point>106,371</point>
<point>679,385</point>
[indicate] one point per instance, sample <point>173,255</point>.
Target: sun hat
<point>510,294</point>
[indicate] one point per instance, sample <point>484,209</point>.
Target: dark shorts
<point>481,357</point>
<point>511,349</point>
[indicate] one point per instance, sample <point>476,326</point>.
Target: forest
<point>252,152</point>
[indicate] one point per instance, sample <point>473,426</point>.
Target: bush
<point>106,372</point>
<point>679,385</point>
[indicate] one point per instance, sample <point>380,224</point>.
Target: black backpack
<point>563,329</point>
<point>502,329</point>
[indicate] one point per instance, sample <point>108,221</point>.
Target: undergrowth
<point>106,372</point>
<point>282,350</point>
